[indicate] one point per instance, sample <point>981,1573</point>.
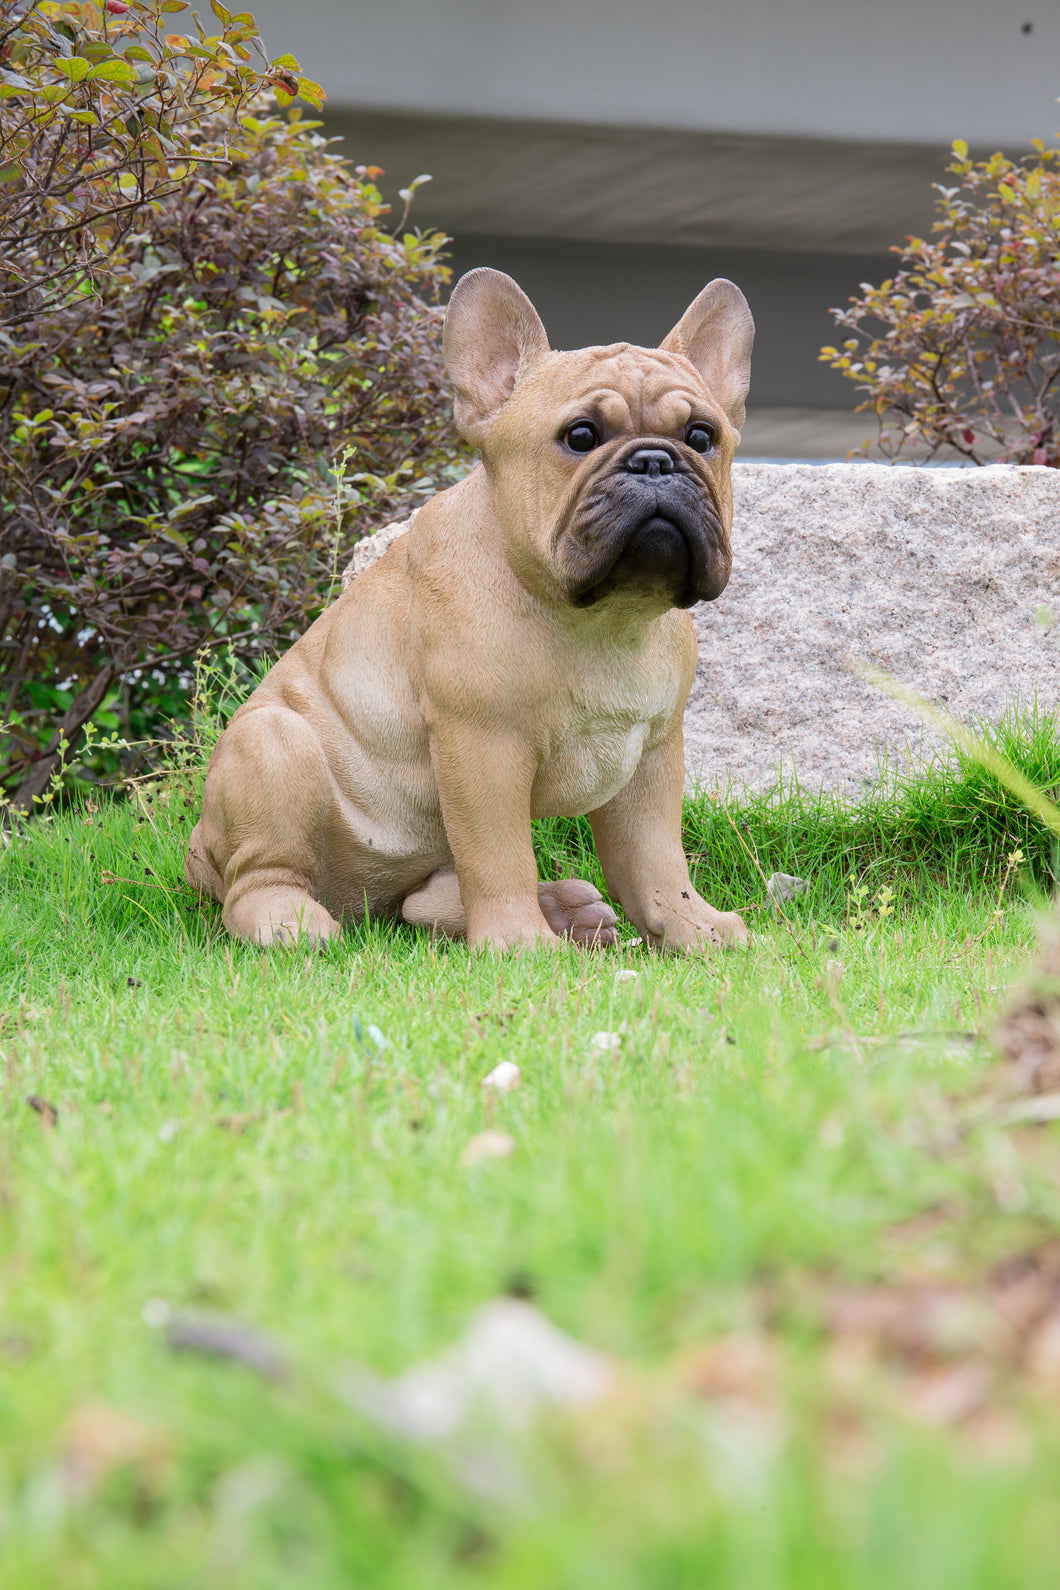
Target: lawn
<point>790,1194</point>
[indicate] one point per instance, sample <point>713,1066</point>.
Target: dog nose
<point>650,461</point>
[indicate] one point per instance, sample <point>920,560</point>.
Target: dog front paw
<point>691,926</point>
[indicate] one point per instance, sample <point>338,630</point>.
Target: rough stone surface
<point>368,551</point>
<point>948,579</point>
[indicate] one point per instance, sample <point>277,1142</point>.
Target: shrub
<point>171,406</point>
<point>961,349</point>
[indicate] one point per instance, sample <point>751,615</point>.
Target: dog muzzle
<point>648,527</point>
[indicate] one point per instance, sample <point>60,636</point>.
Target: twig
<point>758,868</point>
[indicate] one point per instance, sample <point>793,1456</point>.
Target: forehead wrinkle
<point>671,411</point>
<point>614,408</point>
<point>658,399</point>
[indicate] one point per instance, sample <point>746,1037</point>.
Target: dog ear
<point>492,335</point>
<point>715,333</point>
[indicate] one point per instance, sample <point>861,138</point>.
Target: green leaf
<point>113,72</point>
<point>9,173</point>
<point>287,62</point>
<point>960,148</point>
<point>283,98</point>
<point>75,67</point>
<point>136,52</point>
<point>220,12</point>
<point>311,92</point>
<point>174,5</point>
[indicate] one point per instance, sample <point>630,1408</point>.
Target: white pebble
<point>606,1042</point>
<point>785,886</point>
<point>503,1077</point>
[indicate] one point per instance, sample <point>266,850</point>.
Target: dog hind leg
<point>266,809</point>
<point>199,870</point>
<point>437,905</point>
<point>571,907</point>
<point>277,915</point>
<point>269,914</point>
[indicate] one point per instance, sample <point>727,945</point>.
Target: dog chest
<point>595,758</point>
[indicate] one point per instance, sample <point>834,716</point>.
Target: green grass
<point>946,824</point>
<point>778,1124</point>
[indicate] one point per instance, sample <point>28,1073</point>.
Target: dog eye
<point>582,437</point>
<point>700,438</point>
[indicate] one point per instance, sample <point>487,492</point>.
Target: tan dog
<point>523,651</point>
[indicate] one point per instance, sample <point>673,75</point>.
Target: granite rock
<point>948,579</point>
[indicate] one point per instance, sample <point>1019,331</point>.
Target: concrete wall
<point>591,293</point>
<point>910,71</point>
<point>613,155</point>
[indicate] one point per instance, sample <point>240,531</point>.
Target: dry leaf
<point>487,1145</point>
<point>1036,1111</point>
<point>218,1337</point>
<point>99,1439</point>
<point>49,1115</point>
<point>239,1121</point>
<point>1028,1034</point>
<point>948,1396</point>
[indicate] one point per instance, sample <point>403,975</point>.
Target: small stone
<point>606,1042</point>
<point>784,886</point>
<point>504,1077</point>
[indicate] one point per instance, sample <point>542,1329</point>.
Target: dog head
<point>611,466</point>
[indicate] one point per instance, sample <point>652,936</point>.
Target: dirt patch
<point>1028,1035</point>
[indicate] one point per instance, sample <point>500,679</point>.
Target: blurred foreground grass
<point>771,1141</point>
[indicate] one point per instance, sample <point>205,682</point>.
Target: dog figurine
<point>524,651</point>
